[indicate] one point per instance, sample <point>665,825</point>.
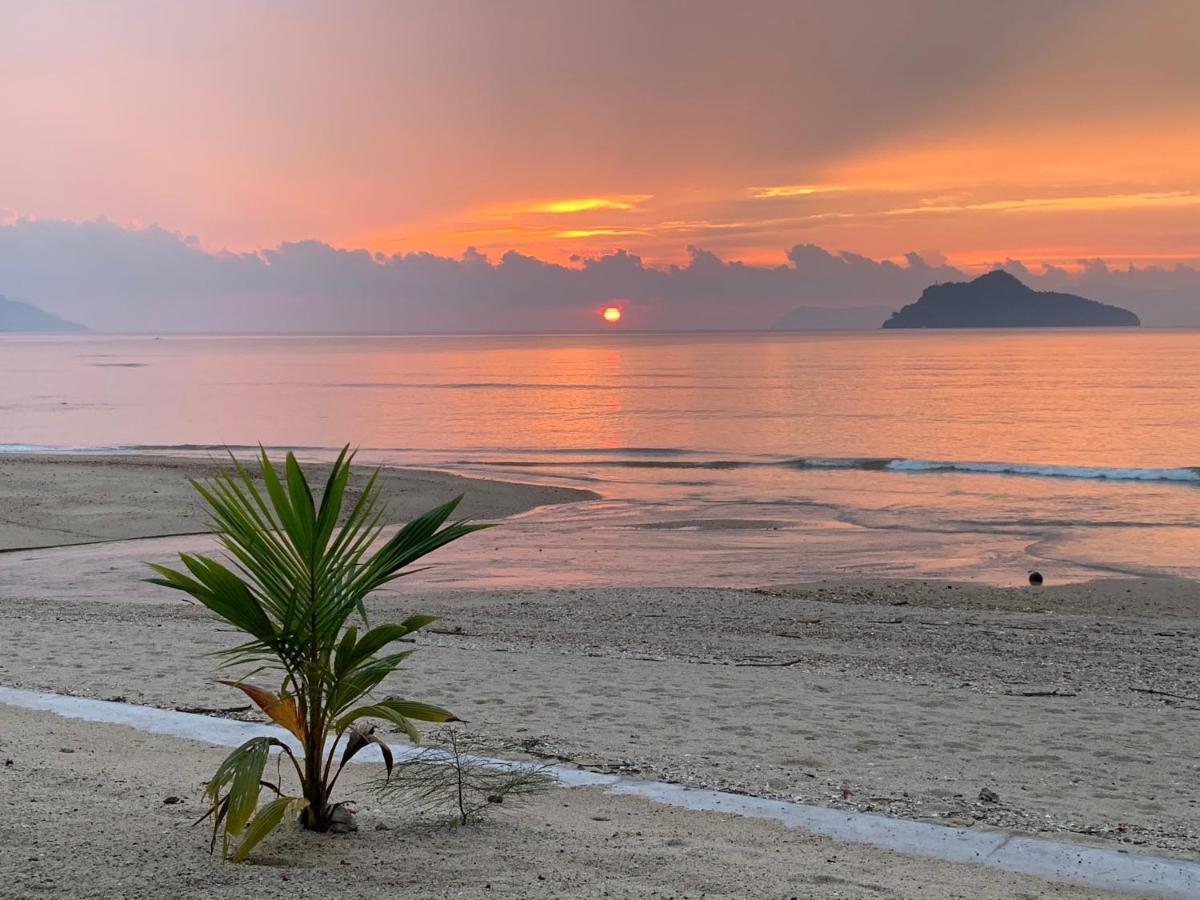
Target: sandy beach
<point>86,818</point>
<point>1074,706</point>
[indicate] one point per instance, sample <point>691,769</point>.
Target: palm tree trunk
<point>316,791</point>
<point>316,816</point>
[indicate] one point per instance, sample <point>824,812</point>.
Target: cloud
<point>1099,202</point>
<point>793,190</point>
<point>586,204</point>
<point>112,278</point>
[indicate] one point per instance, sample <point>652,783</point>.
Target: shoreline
<point>902,697</point>
<point>553,541</point>
<point>52,500</point>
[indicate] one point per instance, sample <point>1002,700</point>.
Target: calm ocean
<point>722,459</point>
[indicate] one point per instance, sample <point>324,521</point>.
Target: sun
<point>611,314</point>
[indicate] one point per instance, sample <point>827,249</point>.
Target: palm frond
<point>266,821</point>
<point>297,571</point>
<point>236,784</point>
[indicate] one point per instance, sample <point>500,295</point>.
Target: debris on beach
<point>342,820</point>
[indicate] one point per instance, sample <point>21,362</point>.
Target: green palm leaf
<point>298,571</point>
<point>266,821</point>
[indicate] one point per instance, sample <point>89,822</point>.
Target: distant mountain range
<point>18,316</point>
<point>1000,300</point>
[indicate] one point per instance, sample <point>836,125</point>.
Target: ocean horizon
<point>759,456</point>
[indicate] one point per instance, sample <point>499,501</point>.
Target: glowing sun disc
<point>611,314</point>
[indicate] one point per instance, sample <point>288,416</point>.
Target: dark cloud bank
<point>117,279</point>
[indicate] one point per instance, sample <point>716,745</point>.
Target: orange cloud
<point>976,196</point>
<point>573,233</point>
<point>793,190</point>
<point>1056,204</point>
<point>586,204</point>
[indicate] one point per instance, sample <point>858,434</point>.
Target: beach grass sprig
<point>295,583</point>
<point>457,783</point>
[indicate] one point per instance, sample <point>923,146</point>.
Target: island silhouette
<point>1001,300</point>
<point>16,315</point>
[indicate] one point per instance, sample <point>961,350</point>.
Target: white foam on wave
<point>1180,474</point>
<point>822,462</point>
<point>1045,471</point>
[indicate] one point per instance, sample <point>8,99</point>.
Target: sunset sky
<point>1047,132</point>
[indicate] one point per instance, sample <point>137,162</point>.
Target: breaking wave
<point>1106,473</point>
<point>678,458</point>
<point>1187,474</point>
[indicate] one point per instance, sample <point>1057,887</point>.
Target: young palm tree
<point>295,581</point>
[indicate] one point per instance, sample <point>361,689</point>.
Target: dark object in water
<point>1035,578</point>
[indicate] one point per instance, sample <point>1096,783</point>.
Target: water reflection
<point>550,403</point>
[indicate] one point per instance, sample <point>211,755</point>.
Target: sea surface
<point>742,459</point>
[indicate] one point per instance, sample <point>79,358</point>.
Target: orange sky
<point>1045,132</point>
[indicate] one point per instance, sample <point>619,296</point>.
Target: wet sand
<point>1072,704</point>
<point>49,500</point>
